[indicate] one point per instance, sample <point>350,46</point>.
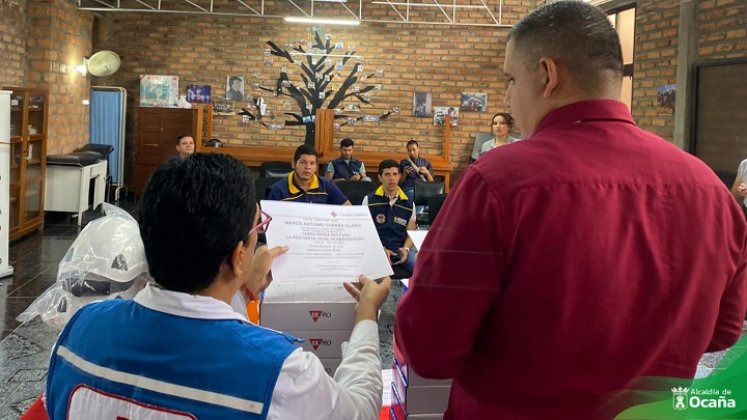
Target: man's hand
<point>404,252</point>
<point>370,296</point>
<point>408,169</point>
<point>259,275</point>
<point>355,177</point>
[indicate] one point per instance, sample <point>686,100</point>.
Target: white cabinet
<point>5,268</point>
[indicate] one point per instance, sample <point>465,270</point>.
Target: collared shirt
<point>597,254</point>
<point>321,191</point>
<point>400,196</point>
<point>303,389</point>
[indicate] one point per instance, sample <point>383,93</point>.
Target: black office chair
<point>274,169</point>
<point>400,272</point>
<point>356,190</point>
<point>262,187</point>
<point>434,206</point>
<point>423,192</point>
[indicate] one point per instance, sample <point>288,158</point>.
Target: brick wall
<point>655,63</point>
<point>59,38</point>
<point>13,42</point>
<point>445,61</point>
<point>722,29</point>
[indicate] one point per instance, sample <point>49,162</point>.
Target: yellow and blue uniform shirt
<point>321,191</point>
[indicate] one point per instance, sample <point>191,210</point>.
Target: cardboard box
<point>305,307</point>
<point>330,365</point>
<point>419,400</point>
<point>412,379</point>
<point>325,344</point>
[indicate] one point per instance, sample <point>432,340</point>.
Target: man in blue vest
<point>178,350</point>
<point>304,185</point>
<point>393,213</point>
<point>346,167</point>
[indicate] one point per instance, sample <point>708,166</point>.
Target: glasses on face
<point>262,226</point>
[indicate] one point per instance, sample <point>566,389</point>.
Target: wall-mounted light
<point>85,102</point>
<point>323,21</point>
<point>82,69</point>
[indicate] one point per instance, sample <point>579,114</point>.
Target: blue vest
<point>390,221</point>
<point>342,170</point>
<point>210,369</point>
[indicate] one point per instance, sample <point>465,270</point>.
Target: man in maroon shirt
<point>568,266</point>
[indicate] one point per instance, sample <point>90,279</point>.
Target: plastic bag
<point>106,261</point>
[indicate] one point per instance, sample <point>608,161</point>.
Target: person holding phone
<point>393,213</point>
<point>414,168</point>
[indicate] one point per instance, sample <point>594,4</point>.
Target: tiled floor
<point>24,348</point>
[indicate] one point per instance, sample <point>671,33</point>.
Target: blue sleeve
<point>275,193</point>
<point>428,166</point>
<point>334,195</point>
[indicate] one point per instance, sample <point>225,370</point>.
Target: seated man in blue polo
<point>346,167</point>
<point>414,168</point>
<point>178,350</point>
<point>393,213</point>
<point>304,185</point>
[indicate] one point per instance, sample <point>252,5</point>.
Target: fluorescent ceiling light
<point>322,21</point>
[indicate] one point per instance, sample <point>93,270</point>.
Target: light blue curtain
<point>105,126</point>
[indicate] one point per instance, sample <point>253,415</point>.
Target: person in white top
<point>501,125</point>
<point>739,188</point>
<point>179,347</point>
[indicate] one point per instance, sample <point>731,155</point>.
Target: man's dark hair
<point>412,141</point>
<point>181,136</point>
<point>304,149</point>
<point>386,164</point>
<point>506,117</point>
<point>576,34</point>
<point>233,79</point>
<point>192,215</point>
<point>346,143</point>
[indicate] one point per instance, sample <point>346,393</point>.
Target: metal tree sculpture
<point>317,76</point>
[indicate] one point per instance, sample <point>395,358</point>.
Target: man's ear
<point>237,258</point>
<point>549,71</point>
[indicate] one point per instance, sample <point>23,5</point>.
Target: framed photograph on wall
<point>440,113</point>
<point>422,104</point>
<point>198,94</point>
<point>159,91</point>
<point>474,102</point>
<point>234,88</point>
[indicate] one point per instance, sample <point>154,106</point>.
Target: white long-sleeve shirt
<point>303,389</point>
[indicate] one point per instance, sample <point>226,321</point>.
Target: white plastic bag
<point>106,261</point>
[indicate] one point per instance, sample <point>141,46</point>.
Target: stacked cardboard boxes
<point>323,316</point>
<point>415,397</point>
